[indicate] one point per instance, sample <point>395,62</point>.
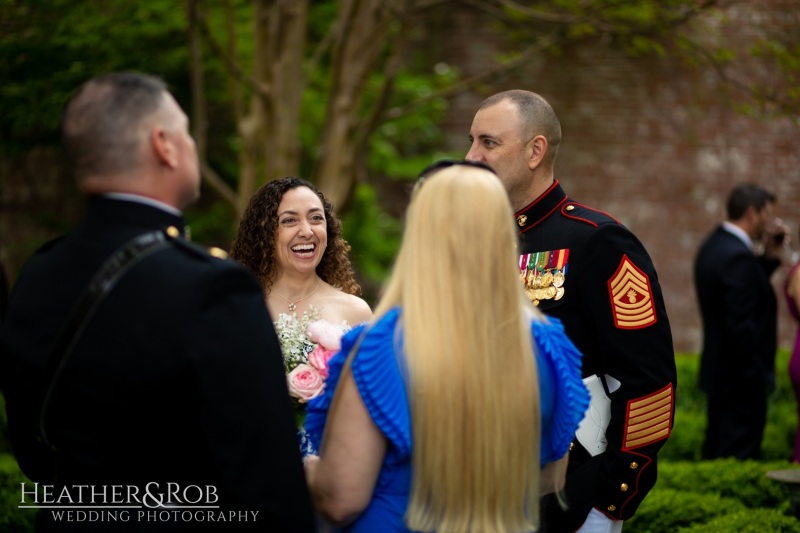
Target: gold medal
<point>550,292</point>
<point>547,279</point>
<point>559,293</point>
<point>558,278</point>
<point>537,282</point>
<point>529,279</point>
<point>529,293</point>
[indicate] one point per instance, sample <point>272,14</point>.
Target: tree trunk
<point>362,28</point>
<point>287,46</point>
<point>199,118</point>
<point>270,129</point>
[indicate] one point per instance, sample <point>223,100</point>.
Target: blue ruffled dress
<point>379,376</point>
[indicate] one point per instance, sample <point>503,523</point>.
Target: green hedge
<point>12,519</point>
<point>747,521</point>
<point>703,493</point>
<point>667,510</point>
<point>686,441</point>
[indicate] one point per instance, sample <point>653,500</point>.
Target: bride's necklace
<point>293,304</point>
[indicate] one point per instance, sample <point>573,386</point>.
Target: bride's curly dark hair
<point>254,243</point>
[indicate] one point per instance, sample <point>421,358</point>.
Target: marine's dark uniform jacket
<point>603,287</point>
<point>177,379</point>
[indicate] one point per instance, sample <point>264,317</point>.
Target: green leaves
<point>48,48</point>
<point>686,441</point>
<point>722,496</point>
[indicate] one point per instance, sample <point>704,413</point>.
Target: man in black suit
<point>739,309</point>
<point>175,391</point>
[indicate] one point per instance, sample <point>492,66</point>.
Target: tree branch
<point>218,184</point>
<point>469,83</point>
<point>542,44</point>
<point>784,108</point>
<point>199,124</point>
<point>236,86</point>
<point>322,47</point>
<point>391,68</point>
<point>230,63</point>
<point>593,17</point>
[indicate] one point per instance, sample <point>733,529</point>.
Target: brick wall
<point>652,141</point>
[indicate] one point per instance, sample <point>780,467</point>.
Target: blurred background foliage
<point>349,94</point>
<point>47,48</point>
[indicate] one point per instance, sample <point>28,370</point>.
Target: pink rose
<point>319,359</point>
<point>305,382</point>
<point>324,333</point>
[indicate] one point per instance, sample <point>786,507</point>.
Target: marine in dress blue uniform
<point>584,267</point>
<point>178,378</point>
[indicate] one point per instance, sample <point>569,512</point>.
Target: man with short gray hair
<point>584,267</point>
<point>142,373</point>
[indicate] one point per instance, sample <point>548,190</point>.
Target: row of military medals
<point>543,275</point>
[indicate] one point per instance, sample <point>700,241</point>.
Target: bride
<point>291,238</point>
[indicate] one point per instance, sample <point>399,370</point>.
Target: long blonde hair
<point>474,390</point>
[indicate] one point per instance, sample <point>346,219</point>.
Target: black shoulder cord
<point>112,270</point>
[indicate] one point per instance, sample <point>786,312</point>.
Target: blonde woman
<point>445,417</point>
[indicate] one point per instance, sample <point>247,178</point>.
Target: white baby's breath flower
<point>293,337</point>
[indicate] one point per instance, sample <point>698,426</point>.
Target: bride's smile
<point>302,232</point>
<point>304,251</point>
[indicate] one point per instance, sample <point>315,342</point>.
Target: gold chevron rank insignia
<point>649,419</point>
<point>631,297</point>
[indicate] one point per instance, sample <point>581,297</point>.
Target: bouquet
<point>307,344</point>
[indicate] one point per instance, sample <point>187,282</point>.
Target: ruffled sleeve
<point>563,396</point>
<point>378,376</point>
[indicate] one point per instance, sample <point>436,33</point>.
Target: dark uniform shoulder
<point>47,246</point>
<point>200,252</point>
<point>187,261</point>
<point>582,213</point>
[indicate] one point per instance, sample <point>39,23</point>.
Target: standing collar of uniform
<point>143,214</point>
<point>128,197</point>
<point>541,208</point>
<point>738,232</point>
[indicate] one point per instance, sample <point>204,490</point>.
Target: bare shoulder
<point>358,310</point>
<point>338,306</point>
